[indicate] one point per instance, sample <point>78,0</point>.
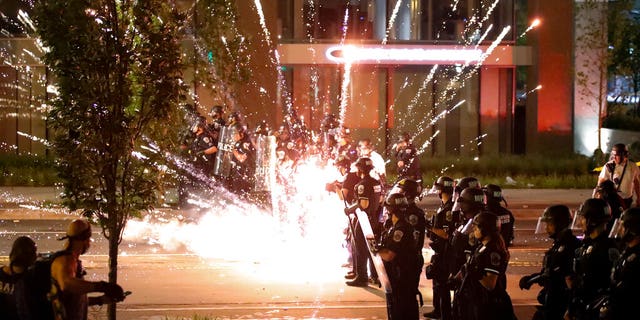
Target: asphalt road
<point>269,281</point>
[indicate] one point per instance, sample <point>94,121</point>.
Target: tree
<point>118,71</point>
<point>591,60</point>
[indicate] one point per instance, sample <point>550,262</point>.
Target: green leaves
<point>118,68</point>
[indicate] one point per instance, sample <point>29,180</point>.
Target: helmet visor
<point>541,226</point>
<point>579,222</point>
<point>456,203</point>
<point>617,230</point>
<point>468,227</point>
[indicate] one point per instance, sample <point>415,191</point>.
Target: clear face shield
<point>617,229</point>
<point>467,229</point>
<point>541,226</point>
<point>456,203</point>
<point>579,223</point>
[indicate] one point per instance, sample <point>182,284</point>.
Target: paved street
<point>175,282</point>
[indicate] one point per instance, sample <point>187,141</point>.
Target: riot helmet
<point>629,226</point>
<point>364,165</point>
<point>444,184</point>
<point>592,213</point>
<point>409,187</point>
<point>467,182</point>
<point>557,215</point>
<point>486,222</point>
<point>470,201</point>
<point>343,163</point>
<point>493,194</point>
<point>216,111</point>
<point>606,189</point>
<point>396,203</point>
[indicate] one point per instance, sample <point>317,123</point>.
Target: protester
<point>69,291</point>
<point>22,256</point>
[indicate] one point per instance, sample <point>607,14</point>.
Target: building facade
<point>449,72</point>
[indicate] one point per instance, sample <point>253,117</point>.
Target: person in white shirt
<point>366,150</point>
<point>624,174</point>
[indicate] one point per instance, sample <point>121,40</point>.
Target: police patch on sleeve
<point>246,145</point>
<point>360,189</point>
<point>449,216</point>
<point>561,248</point>
<point>397,235</point>
<point>495,259</point>
<point>413,220</point>
<point>207,140</point>
<point>631,257</point>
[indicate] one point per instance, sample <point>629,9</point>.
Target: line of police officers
<point>470,233</point>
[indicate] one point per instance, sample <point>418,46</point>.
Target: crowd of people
<point>470,232</point>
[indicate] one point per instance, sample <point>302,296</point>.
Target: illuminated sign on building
<point>353,54</point>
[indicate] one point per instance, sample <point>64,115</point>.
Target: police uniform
<point>625,285</point>
<point>459,247</point>
<point>243,174</point>
<point>411,168</point>
<point>400,239</point>
<point>203,162</point>
<point>591,274</point>
<point>368,188</point>
<point>556,266</point>
<point>472,300</point>
<point>505,219</point>
<point>416,219</point>
<point>438,269</point>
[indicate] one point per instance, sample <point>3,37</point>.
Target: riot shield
<point>265,163</point>
<point>224,159</point>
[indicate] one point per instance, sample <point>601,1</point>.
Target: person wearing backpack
<point>69,290</point>
<point>22,255</point>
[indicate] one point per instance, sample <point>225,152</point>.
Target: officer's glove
<point>454,283</point>
<point>112,290</point>
<point>526,282</point>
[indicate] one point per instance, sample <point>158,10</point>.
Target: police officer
<point>344,187</point>
<point>411,189</point>
<point>203,150</point>
<point>471,203</point>
<point>625,276</point>
<point>440,228</point>
<point>557,263</point>
<point>244,162</point>
<point>217,122</point>
<point>407,161</point>
<point>593,260</point>
<point>606,190</point>
<point>346,146</point>
<point>367,194</point>
<point>493,200</point>
<point>398,253</point>
<point>482,293</point>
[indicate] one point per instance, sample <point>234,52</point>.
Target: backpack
<point>34,301</point>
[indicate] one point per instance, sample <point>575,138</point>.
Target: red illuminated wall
<point>553,56</point>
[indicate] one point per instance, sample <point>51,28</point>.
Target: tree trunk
<point>113,266</point>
